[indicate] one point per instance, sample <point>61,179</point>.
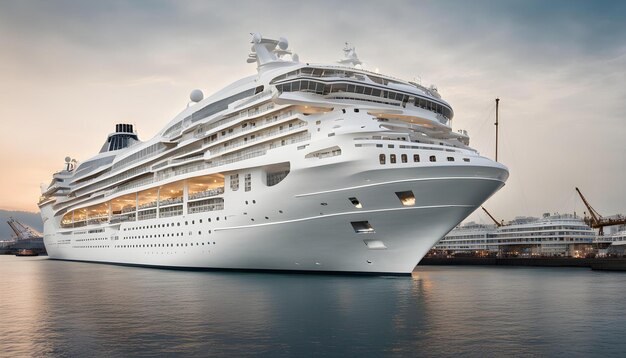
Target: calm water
<point>55,308</point>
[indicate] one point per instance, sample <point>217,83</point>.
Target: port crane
<point>498,224</point>
<point>597,221</point>
<point>23,232</point>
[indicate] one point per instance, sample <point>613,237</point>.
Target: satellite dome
<point>295,57</point>
<point>68,159</point>
<point>283,43</point>
<point>256,38</point>
<point>196,95</point>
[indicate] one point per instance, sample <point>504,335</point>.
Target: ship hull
<point>301,228</point>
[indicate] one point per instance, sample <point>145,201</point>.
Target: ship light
<point>406,197</point>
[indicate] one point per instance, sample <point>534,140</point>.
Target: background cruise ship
<point>298,167</point>
<point>551,235</point>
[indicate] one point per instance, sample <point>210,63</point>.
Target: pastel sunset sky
<point>70,70</point>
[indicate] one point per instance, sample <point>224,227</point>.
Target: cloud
<point>72,69</point>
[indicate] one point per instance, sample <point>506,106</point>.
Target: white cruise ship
<point>316,167</point>
<point>551,235</point>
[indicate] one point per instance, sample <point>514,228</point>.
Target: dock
<point>600,264</point>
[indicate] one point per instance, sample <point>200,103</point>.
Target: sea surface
<point>70,309</point>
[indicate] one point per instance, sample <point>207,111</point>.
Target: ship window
<point>416,158</point>
<point>248,182</point>
<point>357,204</point>
<point>466,159</point>
<point>433,158</point>
<point>404,158</point>
<point>382,158</point>
<point>362,227</point>
<point>276,173</point>
<point>406,197</point>
<point>234,182</point>
<point>392,158</point>
<point>450,159</point>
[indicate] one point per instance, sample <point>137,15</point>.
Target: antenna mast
<point>497,103</point>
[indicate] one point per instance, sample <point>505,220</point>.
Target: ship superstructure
<point>299,167</point>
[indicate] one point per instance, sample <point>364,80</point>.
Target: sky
<point>70,70</point>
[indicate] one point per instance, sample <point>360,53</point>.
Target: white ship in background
<point>299,167</point>
<point>550,235</point>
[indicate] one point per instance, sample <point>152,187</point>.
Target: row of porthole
<point>382,158</point>
<point>161,245</point>
<point>157,226</point>
<point>156,236</point>
<point>91,239</point>
<point>91,247</point>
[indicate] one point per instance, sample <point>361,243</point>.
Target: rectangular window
<point>362,227</point>
<point>404,158</point>
<point>234,182</point>
<point>416,158</point>
<point>450,159</point>
<point>382,158</point>
<point>357,204</point>
<point>248,182</point>
<point>392,158</point>
<point>433,158</point>
<point>406,197</point>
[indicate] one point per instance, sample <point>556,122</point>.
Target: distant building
<point>551,235</point>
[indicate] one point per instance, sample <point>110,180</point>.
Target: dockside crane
<point>597,221</point>
<point>23,232</point>
<point>491,217</point>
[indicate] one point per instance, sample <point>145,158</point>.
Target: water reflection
<point>56,308</point>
